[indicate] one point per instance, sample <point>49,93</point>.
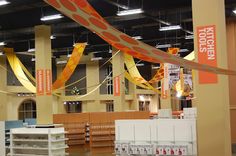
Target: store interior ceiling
<point>19,17</point>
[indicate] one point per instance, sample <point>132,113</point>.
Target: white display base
<point>38,141</point>
<point>156,137</point>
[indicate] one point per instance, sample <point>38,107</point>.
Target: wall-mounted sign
<point>40,82</point>
<point>206,36</point>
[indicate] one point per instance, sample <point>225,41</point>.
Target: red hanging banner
<point>117,86</point>
<point>206,36</point>
<point>40,82</point>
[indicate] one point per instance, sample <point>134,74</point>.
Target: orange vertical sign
<point>117,86</point>
<point>206,36</point>
<point>48,82</point>
<point>40,82</point>
<point>165,82</point>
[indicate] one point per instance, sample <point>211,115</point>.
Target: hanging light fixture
<point>51,17</point>
<point>4,2</point>
<point>234,11</point>
<point>169,28</point>
<point>130,12</point>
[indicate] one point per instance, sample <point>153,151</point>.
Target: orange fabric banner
<point>207,52</point>
<point>70,66</point>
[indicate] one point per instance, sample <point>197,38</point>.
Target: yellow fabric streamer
<point>135,75</point>
<point>16,67</point>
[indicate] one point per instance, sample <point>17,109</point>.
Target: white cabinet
<point>156,137</point>
<point>37,141</point>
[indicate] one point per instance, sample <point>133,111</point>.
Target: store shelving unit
<point>38,141</point>
<point>5,127</point>
<point>95,130</point>
<point>102,137</point>
<point>76,133</point>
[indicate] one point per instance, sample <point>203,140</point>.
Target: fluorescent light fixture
<point>234,11</point>
<point>183,50</point>
<point>96,58</point>
<point>155,67</point>
<point>31,50</point>
<point>51,17</point>
<point>129,12</point>
<point>179,94</point>
<point>140,64</point>
<point>3,2</point>
<point>33,59</point>
<point>2,43</point>
<point>163,46</point>
<point>137,37</point>
<point>169,28</point>
<point>52,37</point>
<point>189,37</point>
<point>62,62</point>
<point>141,98</point>
<point>86,43</point>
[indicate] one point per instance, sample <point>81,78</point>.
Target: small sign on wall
<point>117,86</point>
<point>40,82</point>
<point>206,36</point>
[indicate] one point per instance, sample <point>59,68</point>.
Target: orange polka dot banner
<point>70,66</point>
<point>84,14</point>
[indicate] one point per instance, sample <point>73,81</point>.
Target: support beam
<point>43,63</point>
<point>213,122</point>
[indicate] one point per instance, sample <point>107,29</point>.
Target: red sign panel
<point>117,86</point>
<point>48,82</point>
<point>40,82</point>
<point>207,52</point>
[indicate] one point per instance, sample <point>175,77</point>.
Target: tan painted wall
<point>231,44</point>
<point>3,97</point>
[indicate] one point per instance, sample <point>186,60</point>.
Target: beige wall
<point>3,96</point>
<point>231,44</point>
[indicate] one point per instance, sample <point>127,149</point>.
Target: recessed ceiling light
<point>4,2</point>
<point>51,17</point>
<point>129,12</point>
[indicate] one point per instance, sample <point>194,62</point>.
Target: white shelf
<point>58,148</point>
<point>59,140</point>
<point>29,140</point>
<point>38,140</point>
<point>24,155</point>
<point>29,148</point>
